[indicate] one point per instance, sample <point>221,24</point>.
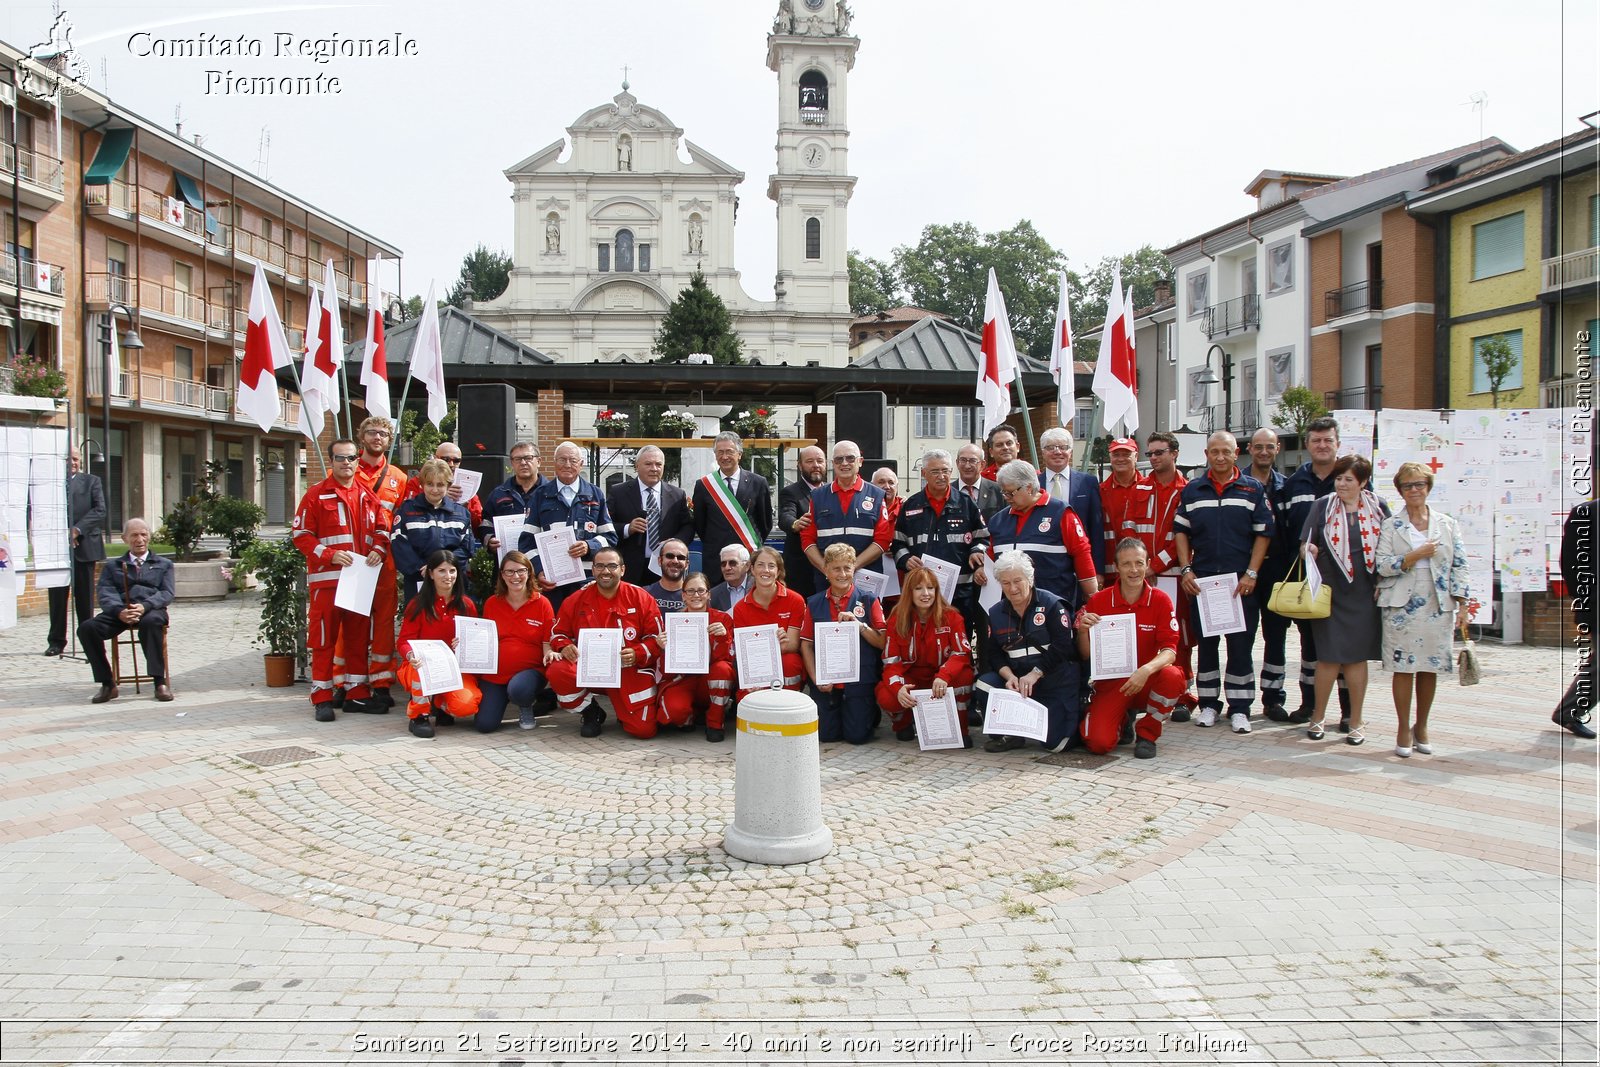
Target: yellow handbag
<point>1293,599</point>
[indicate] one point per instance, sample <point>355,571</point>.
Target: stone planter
<point>242,579</point>
<point>200,581</point>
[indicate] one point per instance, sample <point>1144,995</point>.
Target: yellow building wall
<point>1468,296</point>
<point>1575,194</point>
<point>1461,337</point>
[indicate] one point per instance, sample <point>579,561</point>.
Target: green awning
<point>189,189</point>
<point>113,153</point>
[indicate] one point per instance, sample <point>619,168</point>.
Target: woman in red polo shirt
<point>771,603</point>
<point>523,619</point>
<point>431,616</point>
<point>927,650</point>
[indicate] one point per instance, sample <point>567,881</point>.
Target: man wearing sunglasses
<point>450,453</point>
<point>673,560</point>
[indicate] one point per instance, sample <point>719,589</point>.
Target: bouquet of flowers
<point>678,422</point>
<point>753,423</point>
<point>611,421</point>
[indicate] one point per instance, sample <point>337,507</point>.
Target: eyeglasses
<point>1057,448</point>
<point>524,459</point>
<point>347,458</point>
<point>509,571</point>
<point>1157,453</point>
<point>730,563</point>
<point>608,566</point>
<point>377,433</point>
<point>696,592</point>
<point>453,462</point>
<point>1406,487</point>
<point>672,555</point>
<point>839,460</point>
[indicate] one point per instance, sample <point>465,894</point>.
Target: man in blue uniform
<point>1300,489</point>
<point>1280,557</point>
<point>572,501</point>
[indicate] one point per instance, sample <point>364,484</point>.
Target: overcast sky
<point>1110,125</point>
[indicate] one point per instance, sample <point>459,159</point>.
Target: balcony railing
<point>1574,268</point>
<point>113,196</point>
<point>104,287</point>
<point>1238,315</point>
<point>814,116</point>
<point>1561,393</point>
<point>33,167</point>
<point>37,276</point>
<point>258,247</point>
<point>1368,399</point>
<point>158,299</point>
<point>121,382</point>
<point>1241,416</point>
<point>1353,299</point>
<point>159,208</point>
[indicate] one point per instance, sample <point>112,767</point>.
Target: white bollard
<point>777,793</point>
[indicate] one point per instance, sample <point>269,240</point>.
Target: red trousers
<point>338,643</point>
<point>462,703</point>
<point>635,702</point>
<point>1108,707</point>
<point>385,605</point>
<point>684,694</point>
<point>794,674</point>
<point>888,694</point>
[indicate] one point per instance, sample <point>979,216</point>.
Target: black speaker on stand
<point>862,417</point>
<point>486,420</point>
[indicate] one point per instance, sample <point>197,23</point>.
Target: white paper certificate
<point>1221,610</point>
<point>554,563</point>
<point>1113,647</point>
<point>838,652</point>
<point>947,573</point>
<point>871,582</point>
<point>469,481</point>
<point>1014,715</point>
<point>688,648</point>
<point>891,576</point>
<point>437,669</point>
<point>1313,578</point>
<point>508,531</point>
<point>989,591</point>
<point>477,645</point>
<point>1168,585</point>
<point>760,658</point>
<point>600,659</point>
<point>356,587</point>
<point>938,725</point>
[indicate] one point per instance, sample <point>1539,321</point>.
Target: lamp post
<point>130,339</point>
<point>1208,377</point>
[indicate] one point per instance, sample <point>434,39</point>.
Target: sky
<point>1109,125</point>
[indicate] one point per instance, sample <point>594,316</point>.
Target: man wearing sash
<point>731,504</point>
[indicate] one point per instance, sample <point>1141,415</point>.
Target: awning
<point>113,152</point>
<point>190,191</point>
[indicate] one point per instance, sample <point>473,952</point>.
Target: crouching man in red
<point>927,650</point>
<point>607,603</point>
<point>1156,685</point>
<point>684,694</point>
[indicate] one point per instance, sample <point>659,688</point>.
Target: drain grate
<point>276,757</point>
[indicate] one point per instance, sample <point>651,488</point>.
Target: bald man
<point>794,515</point>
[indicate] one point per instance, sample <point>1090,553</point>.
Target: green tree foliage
<point>1499,360</point>
<point>1297,407</point>
<point>484,276</point>
<point>414,308</point>
<point>698,321</point>
<point>872,285</point>
<point>1142,271</point>
<point>948,270</point>
<point>424,438</point>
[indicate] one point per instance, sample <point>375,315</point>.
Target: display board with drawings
<point>33,509</point>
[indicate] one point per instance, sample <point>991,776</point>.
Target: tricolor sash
<point>732,510</point>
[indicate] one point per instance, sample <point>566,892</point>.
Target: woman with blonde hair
<point>1423,595</point>
<point>771,603</point>
<point>927,650</point>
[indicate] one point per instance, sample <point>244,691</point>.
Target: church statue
<point>552,234</point>
<point>697,237</point>
<point>784,23</point>
<point>625,154</point>
<point>842,18</point>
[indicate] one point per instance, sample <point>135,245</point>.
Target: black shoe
<point>908,734</point>
<point>338,699</point>
<point>1003,743</point>
<point>545,702</point>
<point>325,712</point>
<point>1579,727</point>
<point>1180,714</point>
<point>443,718</point>
<point>592,718</point>
<point>1301,715</point>
<point>966,741</point>
<point>1126,736</point>
<point>1344,724</point>
<point>369,706</point>
<point>421,727</point>
<point>1144,748</point>
<point>713,734</point>
<point>1277,712</point>
<point>54,650</point>
<point>384,697</point>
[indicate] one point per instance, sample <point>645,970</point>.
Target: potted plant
<point>278,566</point>
<point>182,528</point>
<point>678,424</point>
<point>610,423</point>
<point>31,376</point>
<point>752,423</point>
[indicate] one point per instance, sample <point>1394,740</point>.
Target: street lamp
<point>1208,377</point>
<point>130,339</point>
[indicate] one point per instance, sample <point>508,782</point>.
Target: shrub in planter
<point>278,566</point>
<point>235,519</point>
<point>182,528</point>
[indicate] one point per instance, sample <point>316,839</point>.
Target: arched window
<point>813,98</point>
<point>624,249</point>
<point>813,238</point>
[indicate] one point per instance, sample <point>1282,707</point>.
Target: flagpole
<point>349,411</point>
<point>321,463</point>
<point>399,412</point>
<point>1027,422</point>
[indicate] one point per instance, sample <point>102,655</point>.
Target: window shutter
<point>1497,246</point>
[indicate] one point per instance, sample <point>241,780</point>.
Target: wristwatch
<point>1252,575</point>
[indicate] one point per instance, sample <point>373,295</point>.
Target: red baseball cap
<point>1126,444</point>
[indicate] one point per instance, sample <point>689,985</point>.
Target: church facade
<point>611,224</point>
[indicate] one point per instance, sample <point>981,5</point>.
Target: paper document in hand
<point>600,659</point>
<point>477,645</point>
<point>1014,715</point>
<point>837,652</point>
<point>989,591</point>
<point>947,573</point>
<point>508,530</point>
<point>938,723</point>
<point>1221,609</point>
<point>1169,586</point>
<point>1113,647</point>
<point>1313,579</point>
<point>759,655</point>
<point>554,562</point>
<point>437,669</point>
<point>871,582</point>
<point>891,576</point>
<point>469,481</point>
<point>688,645</point>
<point>356,587</point>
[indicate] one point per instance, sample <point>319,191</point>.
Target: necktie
<point>1058,486</point>
<point>652,521</point>
<point>972,492</point>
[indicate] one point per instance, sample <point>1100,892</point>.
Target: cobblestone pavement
<point>170,894</point>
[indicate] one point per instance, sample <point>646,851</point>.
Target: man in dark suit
<point>86,511</point>
<point>716,511</point>
<point>1082,489</point>
<point>970,482</point>
<point>733,562</point>
<point>630,502</point>
<point>794,506</point>
<point>134,592</point>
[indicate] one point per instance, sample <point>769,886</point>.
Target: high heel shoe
<point>1423,748</point>
<point>1403,751</point>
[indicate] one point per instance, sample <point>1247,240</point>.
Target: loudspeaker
<point>486,419</point>
<point>862,417</point>
<point>495,470</point>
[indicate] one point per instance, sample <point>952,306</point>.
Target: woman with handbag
<point>1422,571</point>
<point>1341,538</point>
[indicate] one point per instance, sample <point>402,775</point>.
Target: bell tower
<point>812,52</point>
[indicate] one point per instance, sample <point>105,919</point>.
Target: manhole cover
<point>273,757</point>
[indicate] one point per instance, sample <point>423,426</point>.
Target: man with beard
<point>673,559</point>
<point>609,603</point>
<point>794,515</point>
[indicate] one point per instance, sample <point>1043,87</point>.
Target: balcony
<point>174,305</point>
<point>1563,393</point>
<point>1367,399</point>
<point>1243,417</point>
<point>1239,315</point>
<point>40,178</point>
<point>104,288</point>
<point>37,276</point>
<point>1581,268</point>
<point>1357,299</point>
<point>257,247</point>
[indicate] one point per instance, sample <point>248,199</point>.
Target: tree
<point>1498,362</point>
<point>1296,408</point>
<point>948,270</point>
<point>421,433</point>
<point>872,285</point>
<point>1142,271</point>
<point>414,308</point>
<point>484,276</point>
<point>698,321</point>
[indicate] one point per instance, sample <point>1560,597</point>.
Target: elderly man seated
<point>133,592</point>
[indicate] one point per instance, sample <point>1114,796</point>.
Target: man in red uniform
<point>1127,501</point>
<point>387,482</point>
<point>1003,447</point>
<point>1161,449</point>
<point>1156,683</point>
<point>339,521</point>
<point>608,603</point>
<point>450,452</point>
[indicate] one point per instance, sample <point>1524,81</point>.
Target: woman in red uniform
<point>523,619</point>
<point>768,603</point>
<point>682,695</point>
<point>431,616</point>
<point>927,650</point>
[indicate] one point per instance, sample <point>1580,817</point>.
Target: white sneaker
<point>1205,717</point>
<point>1240,722</point>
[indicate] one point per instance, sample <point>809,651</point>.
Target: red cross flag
<point>265,350</point>
<point>999,367</point>
<point>375,365</point>
<point>1115,375</point>
<point>1061,356</point>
